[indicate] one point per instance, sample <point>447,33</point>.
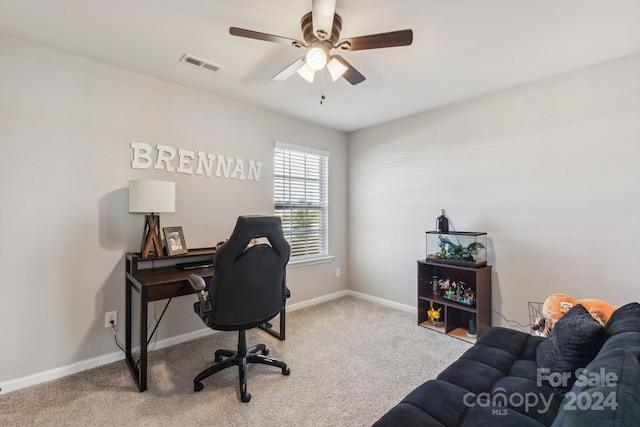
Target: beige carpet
<point>351,360</point>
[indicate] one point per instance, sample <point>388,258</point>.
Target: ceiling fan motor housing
<point>307,29</point>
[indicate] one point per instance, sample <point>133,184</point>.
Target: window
<point>301,199</point>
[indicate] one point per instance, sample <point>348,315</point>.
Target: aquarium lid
<point>459,233</point>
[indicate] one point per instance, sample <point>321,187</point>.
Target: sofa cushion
<point>471,375</point>
<point>495,417</point>
<point>623,329</point>
<point>629,341</point>
<point>511,341</point>
<point>607,393</point>
<point>500,374</point>
<point>572,344</point>
<point>624,319</point>
<point>528,397</point>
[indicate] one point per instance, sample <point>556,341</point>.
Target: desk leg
<point>127,321</point>
<point>128,329</point>
<point>142,385</point>
<point>139,368</point>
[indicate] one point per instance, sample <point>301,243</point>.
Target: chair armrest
<point>203,308</point>
<point>196,282</point>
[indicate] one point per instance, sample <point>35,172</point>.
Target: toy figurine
<point>450,250</point>
<point>434,315</point>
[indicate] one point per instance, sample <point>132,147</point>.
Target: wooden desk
<point>154,279</point>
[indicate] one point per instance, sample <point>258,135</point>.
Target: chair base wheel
<point>240,358</point>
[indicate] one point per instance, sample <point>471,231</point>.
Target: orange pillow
<point>556,305</point>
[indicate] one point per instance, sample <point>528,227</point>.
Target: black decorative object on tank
<point>442,223</point>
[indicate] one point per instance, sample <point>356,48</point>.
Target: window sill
<point>310,261</point>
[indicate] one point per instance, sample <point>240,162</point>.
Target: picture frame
<point>174,238</point>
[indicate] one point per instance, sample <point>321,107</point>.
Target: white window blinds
<point>301,199</point>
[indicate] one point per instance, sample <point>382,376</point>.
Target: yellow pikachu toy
<point>434,315</point>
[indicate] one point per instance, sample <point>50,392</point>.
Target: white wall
<point>66,125</point>
<point>549,169</point>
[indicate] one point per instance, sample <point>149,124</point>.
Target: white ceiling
<point>461,48</point>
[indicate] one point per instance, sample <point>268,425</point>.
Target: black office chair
<point>247,290</point>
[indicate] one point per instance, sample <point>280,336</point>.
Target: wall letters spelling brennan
<point>189,162</point>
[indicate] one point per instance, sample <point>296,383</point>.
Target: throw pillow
<point>572,344</point>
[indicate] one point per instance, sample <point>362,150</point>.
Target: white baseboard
<point>56,373</point>
<point>314,301</point>
<point>386,302</point>
<point>83,365</point>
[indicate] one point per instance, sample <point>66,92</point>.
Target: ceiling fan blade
<point>241,32</point>
<point>377,41</point>
<point>290,70</point>
<point>322,12</point>
<point>352,75</point>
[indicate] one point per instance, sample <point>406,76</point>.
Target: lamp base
<point>151,237</point>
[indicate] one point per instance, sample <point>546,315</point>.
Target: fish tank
<point>463,248</point>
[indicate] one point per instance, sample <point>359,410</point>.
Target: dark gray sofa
<point>498,382</point>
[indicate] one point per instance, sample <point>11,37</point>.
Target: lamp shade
<point>336,68</point>
<point>148,196</point>
<point>307,73</point>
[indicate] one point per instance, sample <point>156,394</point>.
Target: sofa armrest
<point>607,393</point>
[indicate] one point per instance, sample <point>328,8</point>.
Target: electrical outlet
<point>108,317</point>
<point>337,272</point>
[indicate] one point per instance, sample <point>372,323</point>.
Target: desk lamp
<point>151,197</point>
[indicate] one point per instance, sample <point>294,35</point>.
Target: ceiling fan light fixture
<point>306,72</point>
<point>336,69</point>
<point>316,58</point>
<point>321,30</point>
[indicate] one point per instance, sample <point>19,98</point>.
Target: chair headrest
<point>254,227</point>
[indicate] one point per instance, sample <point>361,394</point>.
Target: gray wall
<point>65,162</point>
<point>549,169</point>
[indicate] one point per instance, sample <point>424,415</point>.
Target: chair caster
<point>198,386</point>
<point>245,397</point>
<point>286,370</point>
<point>265,351</point>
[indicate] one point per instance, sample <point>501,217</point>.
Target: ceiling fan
<point>321,32</point>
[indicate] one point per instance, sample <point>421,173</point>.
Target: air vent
<point>200,63</point>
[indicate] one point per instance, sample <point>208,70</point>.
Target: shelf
<point>190,253</point>
<point>160,276</point>
<point>456,316</point>
<point>428,325</point>
<point>461,333</point>
<point>439,300</point>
